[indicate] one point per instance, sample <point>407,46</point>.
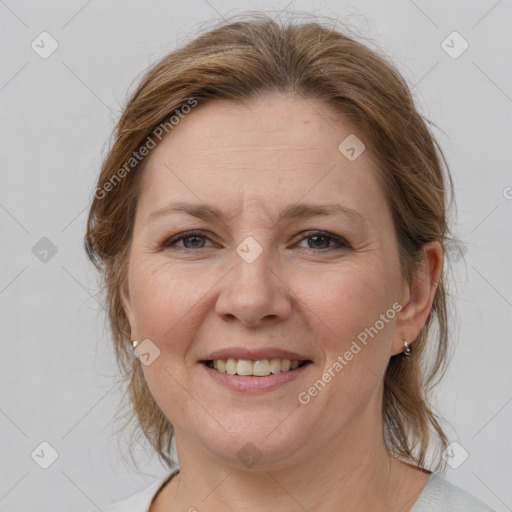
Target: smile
<point>257,368</point>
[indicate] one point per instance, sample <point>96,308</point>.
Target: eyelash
<point>343,244</point>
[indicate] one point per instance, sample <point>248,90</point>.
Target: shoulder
<point>440,495</point>
<point>140,501</point>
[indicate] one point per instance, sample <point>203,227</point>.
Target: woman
<point>270,223</point>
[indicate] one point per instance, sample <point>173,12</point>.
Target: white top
<point>437,496</point>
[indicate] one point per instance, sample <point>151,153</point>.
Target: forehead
<point>276,122</point>
<point>275,149</point>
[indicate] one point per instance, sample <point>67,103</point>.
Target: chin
<point>256,440</point>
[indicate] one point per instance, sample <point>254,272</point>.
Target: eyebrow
<point>293,212</point>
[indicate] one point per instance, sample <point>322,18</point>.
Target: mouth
<point>255,368</point>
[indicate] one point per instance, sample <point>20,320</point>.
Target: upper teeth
<point>260,368</point>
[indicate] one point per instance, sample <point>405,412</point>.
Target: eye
<point>191,240</point>
<point>322,239</point>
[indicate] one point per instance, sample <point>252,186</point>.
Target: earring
<point>134,344</point>
<point>406,352</point>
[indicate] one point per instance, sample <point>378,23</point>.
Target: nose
<point>254,293</point>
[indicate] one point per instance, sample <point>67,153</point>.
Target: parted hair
<point>239,60</point>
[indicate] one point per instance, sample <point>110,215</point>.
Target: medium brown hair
<point>239,60</point>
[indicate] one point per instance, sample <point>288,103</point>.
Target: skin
<point>308,295</point>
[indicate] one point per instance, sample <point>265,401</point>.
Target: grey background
<point>57,373</point>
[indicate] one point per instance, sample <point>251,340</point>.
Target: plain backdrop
<point>57,371</point>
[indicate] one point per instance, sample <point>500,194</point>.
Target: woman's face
<point>271,269</point>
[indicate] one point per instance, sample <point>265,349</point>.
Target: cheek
<point>354,325</point>
<point>346,301</point>
<point>161,297</point>
<point>167,303</point>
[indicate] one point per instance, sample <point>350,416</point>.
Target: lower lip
<point>253,384</point>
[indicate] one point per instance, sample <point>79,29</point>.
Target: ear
<point>418,296</point>
<point>128,309</point>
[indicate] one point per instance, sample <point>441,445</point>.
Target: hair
<point>243,59</point>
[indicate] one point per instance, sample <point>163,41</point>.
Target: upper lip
<point>254,354</point>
